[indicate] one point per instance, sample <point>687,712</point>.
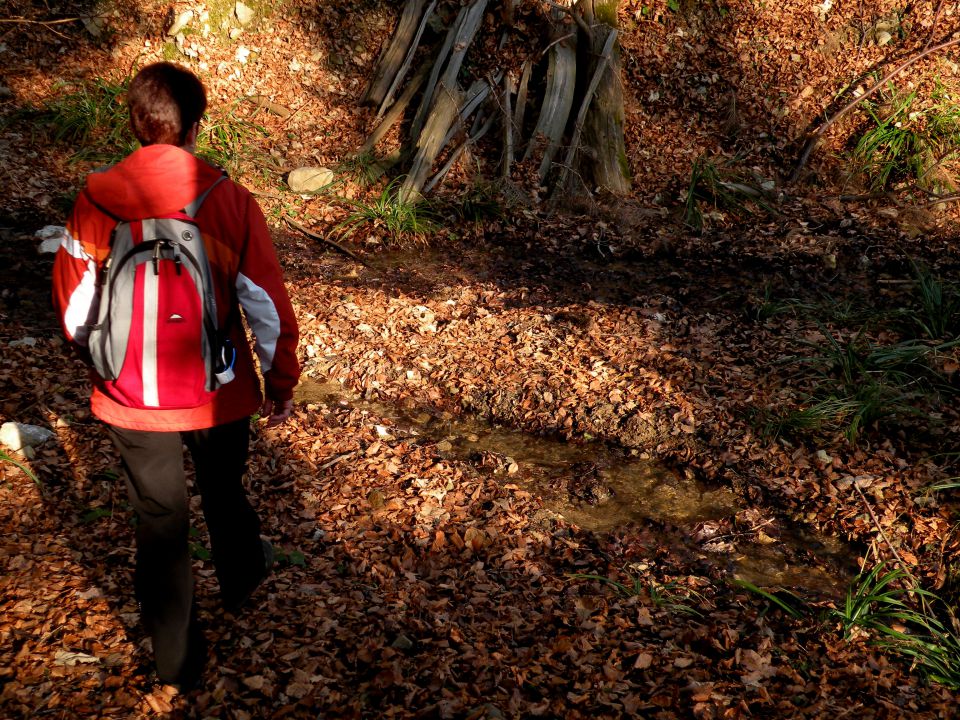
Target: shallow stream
<point>601,488</point>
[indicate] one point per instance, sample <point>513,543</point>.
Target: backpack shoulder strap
<point>193,208</point>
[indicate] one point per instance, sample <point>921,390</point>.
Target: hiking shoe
<point>236,601</point>
<point>190,673</point>
<point>268,555</point>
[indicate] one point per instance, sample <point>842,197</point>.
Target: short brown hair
<point>165,100</point>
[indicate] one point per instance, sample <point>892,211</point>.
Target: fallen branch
<point>393,54</point>
<point>883,535</point>
<point>338,459</point>
<point>396,111</point>
<point>455,155</point>
<point>507,125</point>
<point>405,67</point>
<point>62,21</point>
<point>818,135</point>
<point>336,246</point>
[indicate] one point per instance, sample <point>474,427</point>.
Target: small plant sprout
<point>723,190</point>
<point>671,596</point>
<point>4,457</point>
<point>790,603</point>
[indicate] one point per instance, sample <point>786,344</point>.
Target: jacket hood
<point>154,180</point>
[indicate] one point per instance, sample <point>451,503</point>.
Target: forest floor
<point>537,459</point>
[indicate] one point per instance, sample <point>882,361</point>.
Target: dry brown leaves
<point>413,585</point>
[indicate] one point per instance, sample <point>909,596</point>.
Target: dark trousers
<point>157,488</point>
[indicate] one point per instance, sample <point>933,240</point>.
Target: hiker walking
<point>162,253</point>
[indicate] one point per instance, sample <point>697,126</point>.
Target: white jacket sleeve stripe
<point>82,299</point>
<point>262,315</point>
<point>73,248</point>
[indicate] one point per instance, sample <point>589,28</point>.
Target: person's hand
<point>276,411</point>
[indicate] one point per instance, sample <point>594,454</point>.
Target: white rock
<point>24,342</point>
<point>310,179</point>
<point>180,23</point>
<point>51,237</point>
<point>17,436</point>
<point>244,14</point>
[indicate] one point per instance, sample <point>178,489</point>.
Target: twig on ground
<point>316,236</point>
<point>936,23</point>
<point>900,561</point>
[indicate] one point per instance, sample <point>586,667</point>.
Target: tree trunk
<point>605,164</point>
<point>571,85</point>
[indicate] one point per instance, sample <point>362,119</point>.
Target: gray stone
<point>310,179</point>
<point>17,436</point>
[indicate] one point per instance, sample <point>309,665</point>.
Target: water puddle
<point>600,488</point>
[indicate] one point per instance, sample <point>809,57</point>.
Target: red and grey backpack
<point>156,343</point>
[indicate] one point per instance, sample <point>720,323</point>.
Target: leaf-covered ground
<point>418,582</point>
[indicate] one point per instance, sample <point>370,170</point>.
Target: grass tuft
<point>939,312</point>
<point>229,141</point>
<point>363,168</point>
<point>670,596</point>
<point>399,221</point>
<point>911,145</point>
<point>93,117</point>
<point>790,603</point>
<point>722,189</point>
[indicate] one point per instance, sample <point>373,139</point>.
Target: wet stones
<point>586,484</point>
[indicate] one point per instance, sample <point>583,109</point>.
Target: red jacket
<point>161,179</point>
